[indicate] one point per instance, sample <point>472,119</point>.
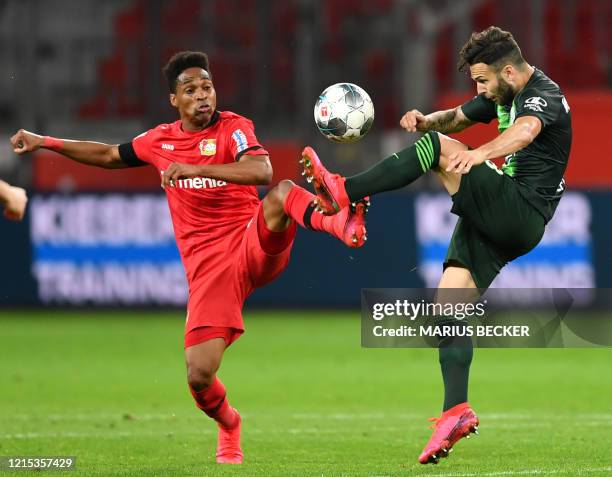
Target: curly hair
<point>180,62</point>
<point>492,46</point>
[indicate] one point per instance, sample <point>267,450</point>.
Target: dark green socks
<point>455,359</point>
<point>398,170</point>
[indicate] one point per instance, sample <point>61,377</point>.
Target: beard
<point>504,93</point>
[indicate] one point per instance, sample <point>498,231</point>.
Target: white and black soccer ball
<point>344,112</point>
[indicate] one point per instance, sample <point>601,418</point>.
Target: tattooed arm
<point>448,121</point>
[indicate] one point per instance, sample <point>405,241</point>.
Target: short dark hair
<point>492,46</point>
<point>180,62</point>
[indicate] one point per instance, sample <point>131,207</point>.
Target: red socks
<point>213,401</point>
<point>299,205</point>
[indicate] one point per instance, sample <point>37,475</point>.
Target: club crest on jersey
<point>208,147</point>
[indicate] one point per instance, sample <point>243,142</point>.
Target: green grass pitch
<point>109,388</point>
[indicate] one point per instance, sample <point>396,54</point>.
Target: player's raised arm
<point>86,152</point>
<point>447,121</point>
<point>516,137</point>
<point>249,170</point>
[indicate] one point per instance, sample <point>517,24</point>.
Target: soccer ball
<point>344,112</point>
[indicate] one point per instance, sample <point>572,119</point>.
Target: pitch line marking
<point>178,432</point>
<point>517,472</point>
<point>307,416</point>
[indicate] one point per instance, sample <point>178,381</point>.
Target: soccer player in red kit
<point>230,242</point>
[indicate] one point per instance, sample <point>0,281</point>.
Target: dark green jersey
<point>539,167</point>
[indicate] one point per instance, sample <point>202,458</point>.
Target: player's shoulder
<point>163,129</point>
<point>540,85</point>
<point>229,117</point>
<point>540,94</point>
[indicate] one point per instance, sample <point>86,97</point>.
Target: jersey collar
<point>214,119</point>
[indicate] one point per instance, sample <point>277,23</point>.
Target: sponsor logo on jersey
<point>168,147</point>
<point>208,147</point>
<point>240,139</point>
<point>535,103</point>
<point>197,183</point>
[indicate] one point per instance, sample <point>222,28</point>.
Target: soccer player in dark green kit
<point>502,213</point>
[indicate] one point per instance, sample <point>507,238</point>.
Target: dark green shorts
<point>496,224</point>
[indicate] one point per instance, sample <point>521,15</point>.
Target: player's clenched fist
<point>25,141</point>
<point>178,171</point>
<point>414,121</point>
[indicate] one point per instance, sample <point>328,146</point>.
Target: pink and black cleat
<point>331,194</point>
<point>458,422</point>
<point>228,444</point>
<point>349,223</point>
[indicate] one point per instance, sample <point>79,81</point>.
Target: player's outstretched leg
<point>288,200</point>
<point>209,393</point>
<point>335,192</point>
<point>459,421</point>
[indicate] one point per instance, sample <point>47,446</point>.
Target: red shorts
<point>217,299</point>
<point>205,333</point>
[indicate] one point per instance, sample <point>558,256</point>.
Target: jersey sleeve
<point>544,105</point>
<point>479,109</point>
<point>243,140</point>
<point>136,153</point>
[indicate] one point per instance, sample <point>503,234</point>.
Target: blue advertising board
<point>119,250</point>
<point>104,250</point>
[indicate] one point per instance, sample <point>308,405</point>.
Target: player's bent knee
<point>200,377</point>
<point>279,191</point>
<point>282,189</point>
<point>448,146</point>
<point>285,185</point>
<point>275,199</point>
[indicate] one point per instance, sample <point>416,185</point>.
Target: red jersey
<point>209,216</point>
